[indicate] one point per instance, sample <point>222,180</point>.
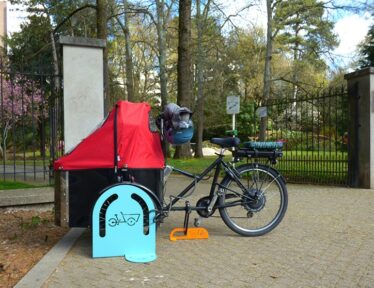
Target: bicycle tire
<point>249,211</point>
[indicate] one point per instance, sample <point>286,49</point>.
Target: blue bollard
<point>123,224</point>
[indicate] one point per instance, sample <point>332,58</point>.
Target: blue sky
<point>350,28</point>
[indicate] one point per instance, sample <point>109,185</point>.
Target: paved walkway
<point>325,240</point>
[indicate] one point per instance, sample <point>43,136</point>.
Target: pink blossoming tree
<point>21,102</point>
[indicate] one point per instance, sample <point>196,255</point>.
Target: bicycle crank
<point>204,203</point>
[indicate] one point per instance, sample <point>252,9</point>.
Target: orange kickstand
<point>188,233</point>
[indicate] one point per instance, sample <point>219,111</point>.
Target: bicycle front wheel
<point>257,215</point>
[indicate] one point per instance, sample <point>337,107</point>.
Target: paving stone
<point>325,240</point>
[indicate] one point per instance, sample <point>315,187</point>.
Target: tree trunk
<point>128,51</point>
<point>267,70</point>
<point>55,97</point>
<point>5,137</point>
<point>295,64</point>
<point>161,42</point>
<point>41,138</point>
<point>184,67</point>
<point>200,82</point>
<point>56,79</point>
<point>101,6</point>
<point>137,81</point>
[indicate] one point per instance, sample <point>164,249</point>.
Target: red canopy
<point>137,146</point>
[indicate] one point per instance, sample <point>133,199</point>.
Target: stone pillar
<point>361,128</point>
<point>83,75</point>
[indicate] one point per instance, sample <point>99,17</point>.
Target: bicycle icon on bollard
<point>129,219</point>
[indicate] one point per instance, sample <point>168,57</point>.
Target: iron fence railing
<point>314,131</point>
<point>30,126</point>
<point>313,128</point>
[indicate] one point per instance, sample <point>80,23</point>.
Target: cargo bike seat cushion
<point>263,145</point>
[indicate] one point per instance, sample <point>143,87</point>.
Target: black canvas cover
<point>85,187</point>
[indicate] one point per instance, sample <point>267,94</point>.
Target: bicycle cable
<point>171,197</point>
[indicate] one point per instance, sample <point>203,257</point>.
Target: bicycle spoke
<point>264,190</point>
<point>256,215</point>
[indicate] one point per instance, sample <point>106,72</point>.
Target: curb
<point>48,264</point>
<point>28,196</point>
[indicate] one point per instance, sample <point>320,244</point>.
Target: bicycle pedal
<point>197,222</point>
<point>188,234</point>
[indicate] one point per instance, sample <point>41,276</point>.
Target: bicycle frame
<point>249,200</point>
<point>217,164</point>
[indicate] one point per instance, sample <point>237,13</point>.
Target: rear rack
<point>270,151</point>
<point>250,153</point>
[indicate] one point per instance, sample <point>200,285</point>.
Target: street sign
<point>232,104</point>
<point>262,112</point>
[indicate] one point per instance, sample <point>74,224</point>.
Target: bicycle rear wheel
<point>253,217</point>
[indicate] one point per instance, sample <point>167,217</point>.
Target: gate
<point>30,126</point>
<point>314,131</point>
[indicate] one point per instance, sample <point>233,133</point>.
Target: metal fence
<point>313,128</point>
<point>30,126</point>
<point>314,131</point>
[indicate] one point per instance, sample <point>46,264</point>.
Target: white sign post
<point>233,107</point>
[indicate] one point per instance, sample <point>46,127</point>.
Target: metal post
<point>233,122</point>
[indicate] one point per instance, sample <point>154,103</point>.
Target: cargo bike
<point>125,149</point>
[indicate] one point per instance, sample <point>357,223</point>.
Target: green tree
<point>302,32</point>
<point>245,52</point>
<point>306,34</point>
<point>30,49</point>
<point>367,49</point>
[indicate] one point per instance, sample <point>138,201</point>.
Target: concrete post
<point>83,87</point>
<point>62,198</point>
<point>83,76</point>
<point>361,128</point>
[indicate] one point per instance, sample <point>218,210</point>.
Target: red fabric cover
<point>137,146</point>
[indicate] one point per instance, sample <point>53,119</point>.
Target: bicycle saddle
<point>226,142</point>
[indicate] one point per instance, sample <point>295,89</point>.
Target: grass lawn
<point>38,163</point>
<point>193,165</point>
<point>315,154</point>
<point>27,158</point>
<point>7,185</point>
<point>330,167</point>
<point>295,166</point>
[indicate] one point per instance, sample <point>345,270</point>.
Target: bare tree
<point>200,20</point>
<point>267,70</point>
<point>129,67</point>
<point>161,41</point>
<point>101,22</point>
<point>184,66</point>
